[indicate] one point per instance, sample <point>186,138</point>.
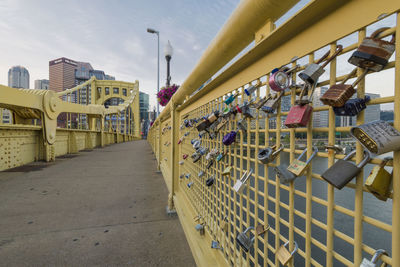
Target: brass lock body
<point>283,254</point>
<point>379,181</point>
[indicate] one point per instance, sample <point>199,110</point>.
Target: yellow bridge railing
<point>46,124</point>
<point>331,227</point>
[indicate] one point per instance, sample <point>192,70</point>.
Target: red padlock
<point>300,115</point>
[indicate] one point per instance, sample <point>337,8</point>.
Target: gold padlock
<point>227,171</point>
<point>283,254</point>
<point>297,166</point>
<point>379,181</point>
<point>261,229</point>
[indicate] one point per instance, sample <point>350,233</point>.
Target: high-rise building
<point>42,84</point>
<point>320,118</point>
<point>65,73</point>
<point>144,106</point>
<point>18,77</point>
<point>62,74</point>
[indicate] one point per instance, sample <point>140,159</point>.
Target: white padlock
<point>240,183</point>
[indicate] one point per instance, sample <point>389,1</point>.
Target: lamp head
<point>168,50</point>
<point>150,30</point>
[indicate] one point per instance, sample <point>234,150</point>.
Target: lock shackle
<point>360,78</point>
<point>289,71</point>
<point>376,34</point>
<point>366,159</point>
<point>296,247</point>
<point>246,175</point>
<point>277,150</point>
<point>248,229</point>
<point>339,49</point>
<point>385,161</point>
<point>315,151</point>
<point>378,253</point>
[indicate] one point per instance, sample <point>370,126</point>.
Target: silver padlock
<point>200,174</point>
<point>200,227</point>
<point>240,183</point>
<point>244,240</point>
<point>269,154</point>
<point>190,184</point>
<point>313,71</point>
<point>378,137</point>
<point>373,262</point>
<point>215,244</point>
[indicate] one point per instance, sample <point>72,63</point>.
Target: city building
<point>320,118</point>
<point>18,77</point>
<point>42,84</point>
<point>66,73</point>
<point>144,106</point>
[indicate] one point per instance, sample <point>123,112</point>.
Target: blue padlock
<point>352,107</point>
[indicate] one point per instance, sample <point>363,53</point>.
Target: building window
<point>107,91</point>
<point>116,90</point>
<point>124,91</point>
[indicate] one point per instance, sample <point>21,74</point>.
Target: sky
<point>112,36</point>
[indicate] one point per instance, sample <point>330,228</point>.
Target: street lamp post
<point>168,55</point>
<point>150,30</point>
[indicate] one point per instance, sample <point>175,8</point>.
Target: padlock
<point>338,94</point>
<point>224,224</point>
<point>352,107</point>
<point>246,110</point>
<point>203,125</point>
<point>221,124</point>
<point>240,183</point>
<point>373,53</point>
<point>379,181</point>
<point>181,140</point>
<point>244,240</point>
<point>267,155</point>
<point>300,114</point>
<point>196,157</point>
<point>272,103</point>
<point>283,174</point>
<point>298,167</point>
<point>230,99</point>
<point>186,133</point>
<point>201,228</point>
<point>227,171</point>
<point>340,173</point>
<point>187,176</point>
<point>280,79</point>
<point>378,137</point>
<point>200,174</point>
<point>283,254</point>
<point>210,181</point>
<point>215,244</point>
<point>180,162</point>
<point>249,91</point>
<point>220,156</point>
<point>209,164</point>
<point>313,71</point>
<point>261,229</point>
<point>181,176</point>
<point>203,150</point>
<point>229,138</point>
<point>373,262</point>
<point>213,117</point>
<point>184,156</point>
<point>190,184</point>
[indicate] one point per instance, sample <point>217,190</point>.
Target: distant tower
<point>18,77</point>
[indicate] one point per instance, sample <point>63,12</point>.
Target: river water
<point>372,207</point>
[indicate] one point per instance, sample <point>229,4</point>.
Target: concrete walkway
<point>104,207</point>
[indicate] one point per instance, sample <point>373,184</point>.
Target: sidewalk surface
<point>104,207</point>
